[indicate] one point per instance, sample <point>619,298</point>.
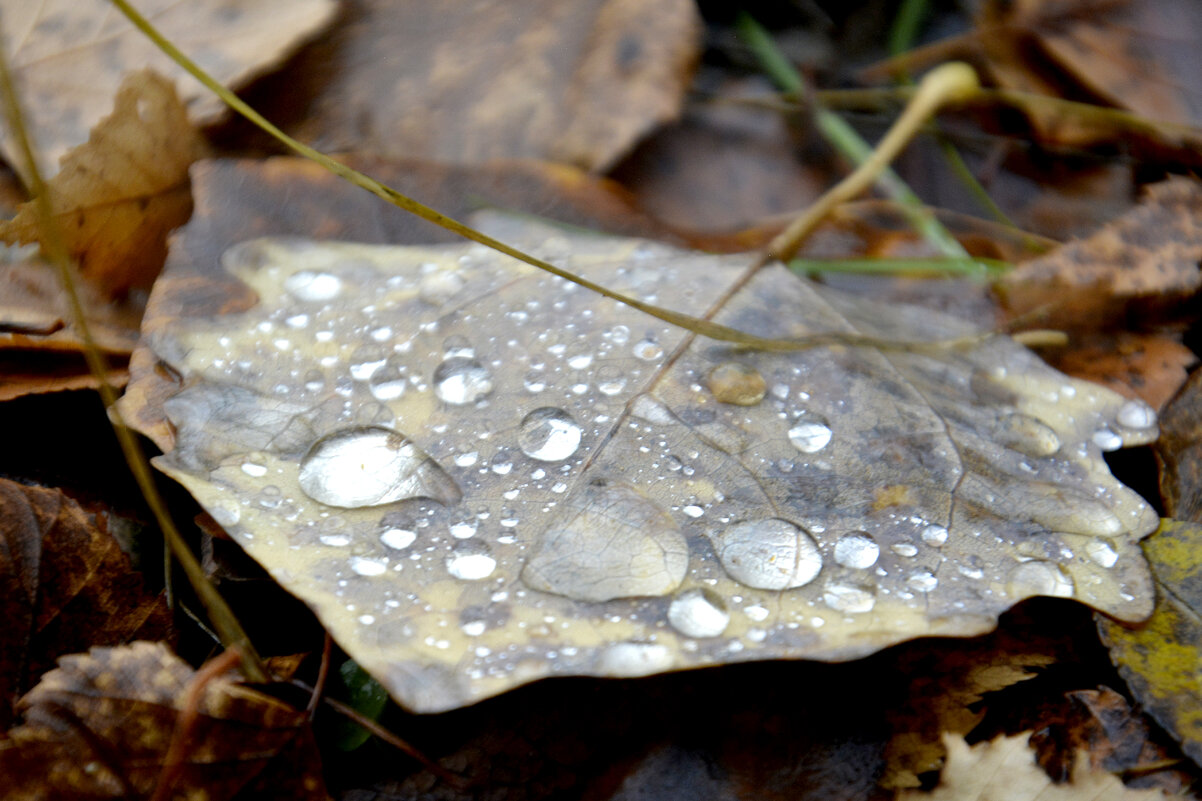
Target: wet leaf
<point>522,480</point>
<point>101,724</point>
<point>66,585</point>
<point>1005,768</point>
<point>69,56</point>
<point>119,194</point>
<point>572,82</point>
<point>1160,658</point>
<point>1140,267</point>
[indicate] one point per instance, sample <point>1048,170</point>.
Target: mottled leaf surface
<point>1160,659</point>
<point>479,475</point>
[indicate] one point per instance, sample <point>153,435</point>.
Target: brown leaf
<point>65,585</point>
<point>118,195</point>
<point>69,56</point>
<point>1179,451</point>
<point>573,82</point>
<point>101,724</point>
<point>1151,367</point>
<point>1005,768</point>
<point>1142,266</point>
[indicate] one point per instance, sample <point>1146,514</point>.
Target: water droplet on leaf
<point>549,434</point>
<point>769,554</point>
<point>309,285</point>
<point>810,432</point>
<point>736,383</point>
<point>698,613</point>
<point>857,550</point>
<point>460,381</point>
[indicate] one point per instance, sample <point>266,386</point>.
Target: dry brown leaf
<point>101,724</point>
<point>119,194</point>
<point>1142,266</point>
<point>573,82</point>
<point>1179,451</point>
<point>69,56</point>
<point>64,585</point>
<point>1005,768</point>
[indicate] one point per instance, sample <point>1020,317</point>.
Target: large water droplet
<point>848,598</point>
<point>1101,552</point>
<point>370,466</point>
<point>631,659</point>
<point>1106,439</point>
<point>934,535</point>
<point>698,613</point>
<point>549,434</point>
<point>1038,577</point>
<point>1136,414</point>
<point>608,541</point>
<point>736,383</point>
<point>769,554</point>
<point>810,432</point>
<point>310,285</point>
<point>857,551</point>
<point>460,381</point>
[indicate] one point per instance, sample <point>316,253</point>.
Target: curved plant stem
<point>228,628</point>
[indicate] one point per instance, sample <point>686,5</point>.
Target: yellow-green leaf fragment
<point>1161,659</point>
<point>607,514</point>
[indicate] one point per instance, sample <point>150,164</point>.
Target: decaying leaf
<point>100,726</point>
<point>576,82</point>
<point>119,194</point>
<point>1179,451</point>
<point>478,475</point>
<point>1005,768</point>
<point>64,585</point>
<point>68,56</point>
<point>1160,658</point>
<point>1151,367</point>
<point>1139,267</point>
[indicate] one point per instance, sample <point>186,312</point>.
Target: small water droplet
<point>502,463</point>
<point>769,554</point>
<point>438,287</point>
<point>848,598</point>
<point>619,335</point>
<point>698,613</point>
<point>535,381</point>
<point>310,285</point>
<point>474,628</point>
<point>934,535</point>
<point>580,361</point>
<point>1027,435</point>
<point>466,458</point>
<point>904,548</point>
<point>1038,577</point>
<point>632,659</point>
<point>693,510</point>
<point>270,497</point>
<point>810,432</point>
<point>457,346</point>
<point>460,381</point>
<point>315,380</point>
<point>471,564</point>
<point>369,567</point>
<point>610,380</point>
<point>254,467</point>
<point>736,383</point>
<point>549,434</point>
<point>398,538</point>
<point>922,581</point>
<point>648,350</point>
<point>336,540</point>
<point>1102,553</point>
<point>1107,440</point>
<point>366,360</point>
<point>857,550</point>
<point>463,529</point>
<point>1136,414</point>
<point>370,466</point>
<point>389,382</point>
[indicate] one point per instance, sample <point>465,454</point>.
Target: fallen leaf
<point>1159,659</point>
<point>1151,367</point>
<point>65,585</point>
<point>118,195</point>
<point>1140,267</point>
<point>100,725</point>
<point>69,56</point>
<point>590,507</point>
<point>572,82</point>
<point>1005,768</point>
<point>1179,452</point>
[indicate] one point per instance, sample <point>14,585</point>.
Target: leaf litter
<point>478,475</point>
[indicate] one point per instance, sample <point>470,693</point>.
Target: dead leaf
<point>616,520</point>
<point>118,195</point>
<point>1151,367</point>
<point>573,82</point>
<point>66,585</point>
<point>1142,266</point>
<point>1179,452</point>
<point>69,56</point>
<point>1159,659</point>
<point>1005,768</point>
<point>100,726</point>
